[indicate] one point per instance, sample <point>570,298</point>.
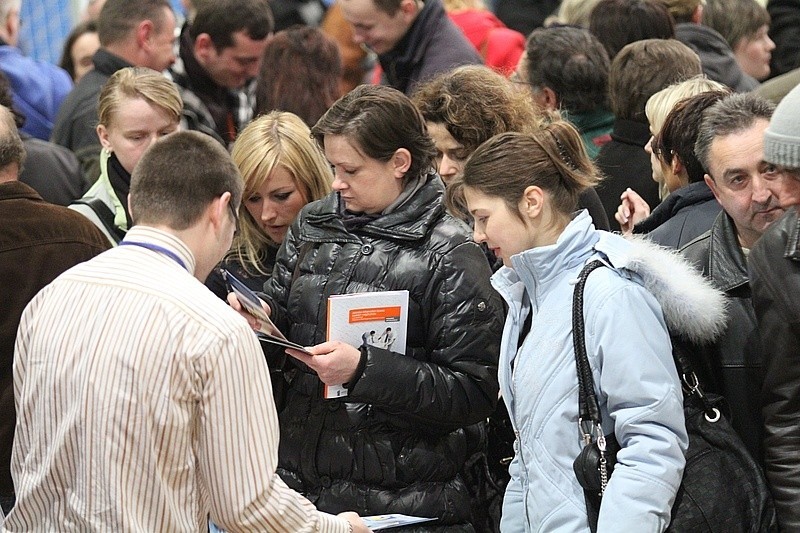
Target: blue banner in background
<point>46,23</point>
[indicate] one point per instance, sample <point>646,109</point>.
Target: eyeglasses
<point>235,216</point>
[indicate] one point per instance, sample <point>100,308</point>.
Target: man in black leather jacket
<point>775,277</point>
<point>730,146</point>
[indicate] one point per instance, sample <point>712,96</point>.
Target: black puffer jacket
<point>397,442</point>
<point>775,276</point>
<point>683,216</point>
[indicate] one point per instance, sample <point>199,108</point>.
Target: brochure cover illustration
<point>375,318</point>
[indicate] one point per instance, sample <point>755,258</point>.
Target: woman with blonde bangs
<point>674,114</point>
<point>283,170</point>
<point>136,107</point>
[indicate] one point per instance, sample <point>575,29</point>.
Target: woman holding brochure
<point>399,438</point>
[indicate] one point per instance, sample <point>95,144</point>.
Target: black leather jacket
<point>775,274</point>
<point>733,366</point>
<point>397,442</point>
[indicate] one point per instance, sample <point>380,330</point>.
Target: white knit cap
<point>782,137</point>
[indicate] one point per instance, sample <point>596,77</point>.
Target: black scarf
<point>121,183</point>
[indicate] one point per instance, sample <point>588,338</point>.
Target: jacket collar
<point>107,63</point>
<point>15,190</point>
<point>727,265</point>
<point>195,76</point>
<point>539,267</point>
<point>398,62</point>
<point>411,222</point>
<point>630,132</point>
<point>793,241</point>
<point>691,194</point>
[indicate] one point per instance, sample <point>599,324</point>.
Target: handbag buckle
<point>587,427</point>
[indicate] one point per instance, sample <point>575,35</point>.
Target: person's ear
<point>676,165</point>
<point>218,211</point>
<point>401,162</point>
<point>409,9</point>
<point>144,33</point>
<point>102,134</point>
<point>203,47</point>
<point>532,202</point>
<point>711,185</point>
<point>546,98</point>
<point>697,15</point>
<point>11,27</point>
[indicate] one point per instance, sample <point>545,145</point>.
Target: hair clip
<point>563,153</point>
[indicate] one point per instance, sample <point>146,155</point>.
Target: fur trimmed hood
<point>693,309</point>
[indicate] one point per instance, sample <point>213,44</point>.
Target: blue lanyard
<point>156,248</point>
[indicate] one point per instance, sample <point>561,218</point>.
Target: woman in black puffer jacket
<point>397,442</point>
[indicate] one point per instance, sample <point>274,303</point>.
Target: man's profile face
<point>234,65</point>
<point>375,28</point>
<point>162,44</point>
<point>740,181</point>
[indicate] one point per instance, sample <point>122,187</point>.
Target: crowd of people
<point>460,152</point>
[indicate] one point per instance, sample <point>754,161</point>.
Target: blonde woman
<point>283,170</point>
<point>136,108</point>
<point>673,167</point>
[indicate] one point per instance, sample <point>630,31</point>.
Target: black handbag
<point>723,489</point>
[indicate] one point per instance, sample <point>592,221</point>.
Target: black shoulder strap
<point>588,407</point>
<point>105,215</point>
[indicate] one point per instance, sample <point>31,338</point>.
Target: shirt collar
<point>150,235</point>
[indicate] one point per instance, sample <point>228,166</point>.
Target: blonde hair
<point>460,5</point>
<point>661,103</point>
<point>277,139</point>
<point>573,13</point>
<point>682,10</point>
<point>138,82</point>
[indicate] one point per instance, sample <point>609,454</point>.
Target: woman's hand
<point>255,323</point>
<point>631,211</point>
<point>334,362</point>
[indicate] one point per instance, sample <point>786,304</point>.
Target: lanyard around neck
<point>156,248</point>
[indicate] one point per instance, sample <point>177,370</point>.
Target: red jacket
<point>499,46</point>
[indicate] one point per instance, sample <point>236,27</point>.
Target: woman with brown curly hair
<point>471,104</point>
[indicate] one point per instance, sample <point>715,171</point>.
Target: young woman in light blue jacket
<point>522,191</point>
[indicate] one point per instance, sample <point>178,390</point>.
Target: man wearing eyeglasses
<point>144,402</point>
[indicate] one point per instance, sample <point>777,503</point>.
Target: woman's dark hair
<point>90,26</point>
<point>552,158</point>
<point>379,120</point>
<point>300,74</point>
<point>679,132</point>
<point>619,22</point>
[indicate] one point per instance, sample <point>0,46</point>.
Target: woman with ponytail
<point>522,191</point>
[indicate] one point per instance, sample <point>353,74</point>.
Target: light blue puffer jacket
<point>635,378</point>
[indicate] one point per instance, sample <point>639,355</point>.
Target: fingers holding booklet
<point>256,311</point>
<point>335,362</point>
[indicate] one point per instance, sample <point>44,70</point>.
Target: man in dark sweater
<point>414,39</point>
<point>221,52</point>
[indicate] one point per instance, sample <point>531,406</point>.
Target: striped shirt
<point>144,404</point>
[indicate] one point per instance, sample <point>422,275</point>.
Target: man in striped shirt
<point>144,402</point>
